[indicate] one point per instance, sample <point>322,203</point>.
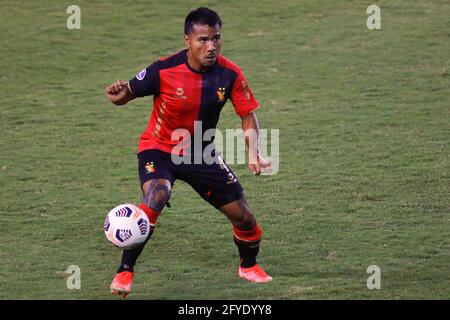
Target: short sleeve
<point>242,97</point>
<point>146,82</point>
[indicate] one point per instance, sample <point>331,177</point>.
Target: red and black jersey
<point>183,95</point>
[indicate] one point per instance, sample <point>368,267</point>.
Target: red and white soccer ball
<point>126,226</point>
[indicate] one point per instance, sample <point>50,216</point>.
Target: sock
<point>129,257</point>
<point>248,252</point>
<point>248,244</point>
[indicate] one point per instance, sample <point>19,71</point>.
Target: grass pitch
<point>364,145</point>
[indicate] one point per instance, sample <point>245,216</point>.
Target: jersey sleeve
<point>146,82</point>
<point>242,97</point>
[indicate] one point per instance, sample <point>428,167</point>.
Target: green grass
<point>364,146</point>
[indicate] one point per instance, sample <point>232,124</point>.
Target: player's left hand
<point>261,165</point>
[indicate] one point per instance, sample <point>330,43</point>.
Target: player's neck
<point>195,65</point>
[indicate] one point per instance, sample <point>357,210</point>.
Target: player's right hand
<point>116,87</point>
<point>118,92</point>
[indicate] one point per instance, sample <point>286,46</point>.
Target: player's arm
<point>119,93</point>
<point>250,126</point>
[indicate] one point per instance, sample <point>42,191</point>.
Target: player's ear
<point>187,41</point>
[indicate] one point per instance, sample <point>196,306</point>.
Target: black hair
<point>201,15</point>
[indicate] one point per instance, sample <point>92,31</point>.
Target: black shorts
<point>215,183</point>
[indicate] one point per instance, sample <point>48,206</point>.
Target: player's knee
<point>157,195</point>
<point>246,222</point>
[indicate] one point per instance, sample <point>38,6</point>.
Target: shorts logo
<point>221,94</point>
<point>150,167</point>
<point>231,178</point>
<point>141,75</point>
<point>179,91</point>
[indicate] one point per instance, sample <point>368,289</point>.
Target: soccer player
<point>193,85</point>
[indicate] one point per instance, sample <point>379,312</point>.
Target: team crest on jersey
<point>221,94</point>
<point>141,75</point>
<point>150,167</point>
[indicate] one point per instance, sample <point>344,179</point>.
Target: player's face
<point>204,45</point>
